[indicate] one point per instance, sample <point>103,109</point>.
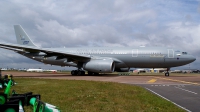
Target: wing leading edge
<point>48,51</point>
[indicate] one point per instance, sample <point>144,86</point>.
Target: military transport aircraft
<point>97,60</point>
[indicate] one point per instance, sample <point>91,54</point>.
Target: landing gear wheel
<point>74,72</point>
<point>80,72</point>
<point>77,72</point>
<point>167,74</point>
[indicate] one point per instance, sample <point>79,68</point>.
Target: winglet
<point>22,37</point>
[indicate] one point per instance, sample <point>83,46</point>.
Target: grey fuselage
<point>139,57</point>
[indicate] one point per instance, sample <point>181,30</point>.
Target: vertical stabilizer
<point>22,37</point>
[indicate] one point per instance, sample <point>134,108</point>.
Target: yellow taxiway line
<point>178,81</point>
<point>152,80</point>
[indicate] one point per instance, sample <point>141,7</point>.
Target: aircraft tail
<point>22,37</point>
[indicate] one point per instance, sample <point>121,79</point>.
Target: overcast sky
<point>122,23</point>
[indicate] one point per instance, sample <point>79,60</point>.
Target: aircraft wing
<point>48,51</point>
<point>16,50</point>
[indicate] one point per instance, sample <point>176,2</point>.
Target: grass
<point>90,96</point>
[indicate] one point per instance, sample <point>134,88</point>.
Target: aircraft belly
<point>173,62</point>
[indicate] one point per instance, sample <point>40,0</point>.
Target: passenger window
<point>184,52</point>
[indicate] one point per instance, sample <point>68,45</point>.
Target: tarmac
<point>183,89</point>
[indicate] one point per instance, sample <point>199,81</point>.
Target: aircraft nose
<point>192,58</point>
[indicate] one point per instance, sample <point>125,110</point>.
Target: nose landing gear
<point>167,73</point>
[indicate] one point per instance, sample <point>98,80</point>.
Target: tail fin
<point>22,37</point>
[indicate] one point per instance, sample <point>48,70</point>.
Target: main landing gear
<point>81,73</point>
<point>77,72</point>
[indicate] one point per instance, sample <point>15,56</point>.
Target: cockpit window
<point>184,52</point>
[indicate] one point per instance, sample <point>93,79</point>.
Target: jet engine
<point>100,66</point>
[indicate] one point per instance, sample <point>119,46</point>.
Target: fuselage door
<point>170,53</point>
<point>134,52</point>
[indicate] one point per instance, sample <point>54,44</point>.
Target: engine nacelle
<point>100,66</point>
